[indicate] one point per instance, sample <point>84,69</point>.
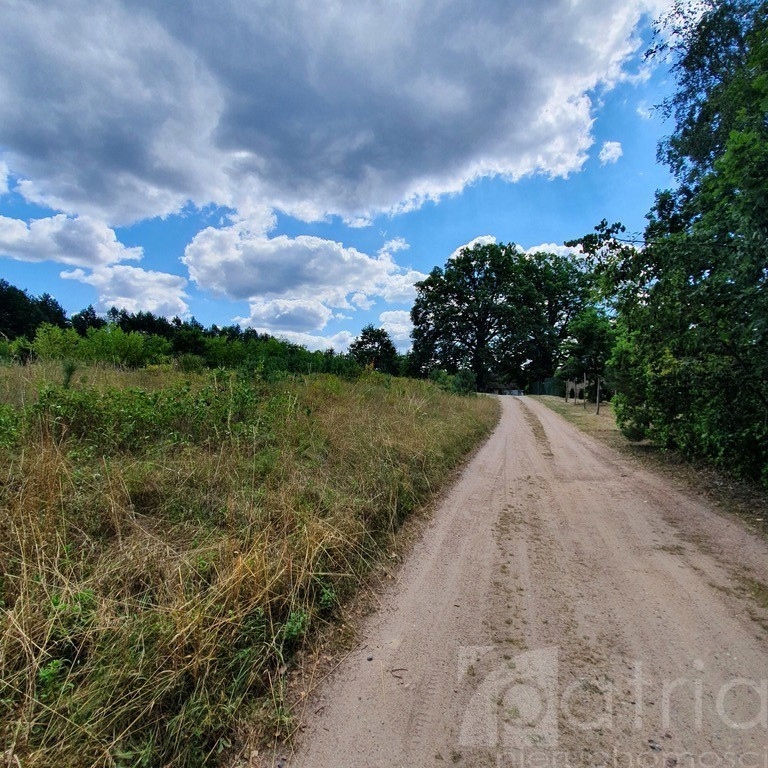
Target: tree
<point>374,347</point>
<point>145,322</point>
<point>85,319</point>
<point>691,359</point>
<point>20,313</point>
<point>497,311</point>
<point>588,348</point>
<point>55,343</point>
<point>52,311</point>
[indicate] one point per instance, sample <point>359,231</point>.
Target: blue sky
<point>297,167</point>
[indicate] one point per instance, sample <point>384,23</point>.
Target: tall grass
<point>167,544</point>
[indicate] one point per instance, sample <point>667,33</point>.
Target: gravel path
<point>563,608</point>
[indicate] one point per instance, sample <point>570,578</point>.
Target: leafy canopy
<point>691,360</point>
<point>497,311</point>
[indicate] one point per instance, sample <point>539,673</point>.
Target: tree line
<point>38,327</point>
<point>675,320</point>
<point>690,362</point>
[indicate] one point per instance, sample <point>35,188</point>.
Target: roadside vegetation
<point>170,539</point>
<point>690,296</point>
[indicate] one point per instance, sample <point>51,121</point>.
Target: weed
<point>169,540</point>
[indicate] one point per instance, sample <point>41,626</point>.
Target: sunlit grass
<point>163,557</point>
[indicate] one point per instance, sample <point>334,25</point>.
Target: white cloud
<point>238,263</point>
<point>279,315</point>
<point>80,241</point>
<point>339,341</point>
<point>361,301</point>
<point>3,177</point>
<point>610,152</point>
<point>135,289</point>
<point>397,323</point>
<point>394,245</point>
<point>127,110</point>
<point>481,240</point>
<point>644,111</point>
<point>560,250</point>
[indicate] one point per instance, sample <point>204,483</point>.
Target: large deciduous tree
<point>691,362</point>
<point>497,311</point>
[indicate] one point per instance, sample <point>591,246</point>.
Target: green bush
<point>9,426</point>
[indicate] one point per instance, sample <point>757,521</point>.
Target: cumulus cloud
<point>482,240</point>
<point>361,301</point>
<point>240,264</point>
<point>611,151</point>
<point>294,283</point>
<point>397,323</point>
<point>280,315</point>
<point>127,110</point>
<point>80,241</point>
<point>135,289</point>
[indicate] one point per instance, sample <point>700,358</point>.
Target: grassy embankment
<point>167,542</point>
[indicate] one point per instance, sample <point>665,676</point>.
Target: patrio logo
<point>515,701</point>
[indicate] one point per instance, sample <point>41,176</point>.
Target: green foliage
<point>374,348</point>
<point>85,319</point>
<point>113,345</point>
<point>54,343</point>
<point>141,339</point>
<point>190,363</point>
<point>9,426</point>
<point>590,341</point>
<point>498,312</point>
<point>463,382</point>
<point>691,360</point>
<point>135,419</point>
<point>20,313</point>
<point>295,627</point>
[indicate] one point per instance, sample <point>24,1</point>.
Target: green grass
<point>169,541</point>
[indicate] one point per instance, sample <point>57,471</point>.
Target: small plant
<point>328,598</point>
<point>295,627</point>
<point>189,363</point>
<point>68,369</point>
<point>52,680</point>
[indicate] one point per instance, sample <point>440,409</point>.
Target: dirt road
<point>564,607</point>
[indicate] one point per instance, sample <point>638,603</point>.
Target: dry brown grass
<point>153,590</point>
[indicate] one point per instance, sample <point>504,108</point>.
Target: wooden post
<point>598,396</point>
<point>584,391</point>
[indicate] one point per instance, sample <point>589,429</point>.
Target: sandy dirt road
<point>563,608</point>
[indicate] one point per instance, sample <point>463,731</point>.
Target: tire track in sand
<point>564,607</point>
